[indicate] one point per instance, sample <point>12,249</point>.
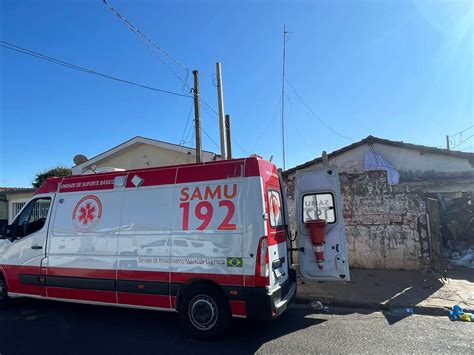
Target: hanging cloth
<point>374,161</point>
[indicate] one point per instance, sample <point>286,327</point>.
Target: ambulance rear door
<point>318,197</point>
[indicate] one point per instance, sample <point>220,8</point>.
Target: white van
<point>209,241</point>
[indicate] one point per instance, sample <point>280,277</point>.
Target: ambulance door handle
<point>278,263</point>
<point>36,247</point>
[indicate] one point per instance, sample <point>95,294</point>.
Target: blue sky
<point>401,70</point>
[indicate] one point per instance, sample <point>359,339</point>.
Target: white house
<point>12,199</point>
<point>404,157</point>
<point>140,152</point>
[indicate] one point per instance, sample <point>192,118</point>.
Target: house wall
<point>401,158</point>
<point>144,156</point>
<point>16,197</point>
<point>385,225</point>
<point>3,207</point>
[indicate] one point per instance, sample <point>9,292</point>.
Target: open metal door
<point>318,197</point>
<point>436,244</point>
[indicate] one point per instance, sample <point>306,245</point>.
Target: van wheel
<point>204,312</point>
<point>4,299</point>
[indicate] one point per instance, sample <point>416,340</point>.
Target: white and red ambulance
<point>209,241</point>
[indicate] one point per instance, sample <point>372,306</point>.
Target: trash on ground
<point>458,314</point>
<point>457,228</point>
<point>405,311</point>
<point>318,306</point>
<point>467,260</point>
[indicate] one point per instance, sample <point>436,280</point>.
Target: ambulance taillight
<point>262,269</point>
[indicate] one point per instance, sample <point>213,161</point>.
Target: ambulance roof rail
<point>102,170</point>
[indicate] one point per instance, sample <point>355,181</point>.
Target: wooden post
<point>227,135</point>
<point>220,100</point>
<point>197,117</point>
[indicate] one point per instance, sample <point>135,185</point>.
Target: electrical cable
<point>264,128</point>
<point>208,136</point>
<point>38,55</point>
<point>463,141</point>
<point>146,41</point>
<point>464,130</point>
<point>317,117</point>
<point>290,119</point>
<point>187,123</point>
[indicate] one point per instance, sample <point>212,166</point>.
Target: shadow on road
<point>390,290</point>
<point>47,326</point>
<point>461,273</point>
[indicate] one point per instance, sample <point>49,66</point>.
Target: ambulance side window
<point>319,206</point>
<point>274,208</point>
<point>32,218</point>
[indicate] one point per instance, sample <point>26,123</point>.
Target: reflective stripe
<point>318,248</point>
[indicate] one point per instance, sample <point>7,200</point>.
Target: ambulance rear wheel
<point>204,312</point>
<point>4,299</point>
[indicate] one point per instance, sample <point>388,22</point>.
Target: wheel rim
<point>3,289</point>
<point>203,312</point>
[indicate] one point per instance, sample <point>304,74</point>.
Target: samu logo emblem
<point>234,262</point>
<point>87,214</point>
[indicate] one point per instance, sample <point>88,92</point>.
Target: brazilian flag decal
<point>234,262</point>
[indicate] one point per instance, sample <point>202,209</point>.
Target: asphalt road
<point>51,327</point>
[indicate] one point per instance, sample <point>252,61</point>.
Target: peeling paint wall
<point>385,225</point>
<point>403,159</point>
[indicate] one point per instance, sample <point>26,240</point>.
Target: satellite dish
<point>79,159</point>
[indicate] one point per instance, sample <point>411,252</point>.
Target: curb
<point>429,311</point>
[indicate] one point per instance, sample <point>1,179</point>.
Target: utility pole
<point>220,97</point>
<point>283,98</point>
<point>227,136</point>
<point>447,142</point>
<point>197,117</point>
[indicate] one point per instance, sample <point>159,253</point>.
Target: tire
<point>204,312</point>
<point>4,299</point>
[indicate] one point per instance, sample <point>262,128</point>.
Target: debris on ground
<point>318,306</point>
<point>458,314</point>
<point>402,312</point>
<point>457,227</point>
<point>467,260</point>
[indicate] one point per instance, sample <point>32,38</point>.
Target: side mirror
<point>3,228</point>
<point>23,229</point>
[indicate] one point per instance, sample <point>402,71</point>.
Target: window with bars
<point>40,209</point>
<point>16,207</point>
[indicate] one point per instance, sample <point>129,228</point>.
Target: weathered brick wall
<point>385,225</point>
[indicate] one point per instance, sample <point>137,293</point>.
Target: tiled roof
<point>371,140</point>
<point>16,189</point>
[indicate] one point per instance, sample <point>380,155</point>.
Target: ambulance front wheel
<point>4,299</point>
<point>204,311</point>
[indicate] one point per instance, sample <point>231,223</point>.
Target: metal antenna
<point>283,98</point>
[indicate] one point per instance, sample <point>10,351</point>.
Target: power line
<point>209,110</point>
<point>38,55</point>
<point>147,42</point>
<point>317,117</point>
<point>460,132</point>
<point>208,136</point>
<point>463,141</point>
<point>264,128</point>
<point>290,118</point>
<point>187,123</point>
